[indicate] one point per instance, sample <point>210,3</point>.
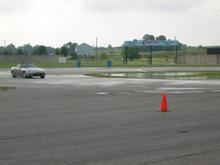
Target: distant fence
<point>203,59</point>
<point>213,51</point>
<point>37,59</point>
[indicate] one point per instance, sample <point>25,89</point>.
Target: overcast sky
<point>55,22</point>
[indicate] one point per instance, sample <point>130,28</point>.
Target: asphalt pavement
<point>72,119</point>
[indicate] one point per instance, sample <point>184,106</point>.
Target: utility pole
<point>176,58</point>
<point>126,54</point>
<point>4,43</point>
<point>96,48</point>
<point>151,56</point>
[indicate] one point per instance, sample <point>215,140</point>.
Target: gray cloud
<point>194,22</point>
<point>158,5</point>
<point>11,6</point>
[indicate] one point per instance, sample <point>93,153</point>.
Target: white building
<point>84,50</point>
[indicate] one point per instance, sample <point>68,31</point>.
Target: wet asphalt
<point>69,118</point>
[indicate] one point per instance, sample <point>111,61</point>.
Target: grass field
<point>103,63</point>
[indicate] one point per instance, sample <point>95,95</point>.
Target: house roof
<point>85,44</point>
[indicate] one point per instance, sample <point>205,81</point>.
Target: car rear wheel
<point>13,74</point>
<point>42,76</point>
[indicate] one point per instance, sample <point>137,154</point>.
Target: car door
<point>18,70</point>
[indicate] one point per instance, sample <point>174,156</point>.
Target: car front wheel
<point>42,76</point>
<point>13,74</point>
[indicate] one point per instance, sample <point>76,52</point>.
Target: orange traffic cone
<point>163,106</point>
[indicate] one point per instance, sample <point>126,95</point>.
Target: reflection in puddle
<point>165,75</point>
<point>6,88</point>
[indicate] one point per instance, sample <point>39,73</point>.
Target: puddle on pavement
<point>6,88</point>
<point>165,75</point>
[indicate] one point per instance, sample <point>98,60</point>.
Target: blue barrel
<point>109,63</point>
<point>78,64</point>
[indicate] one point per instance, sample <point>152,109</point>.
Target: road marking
<point>67,76</point>
<point>151,91</point>
<point>5,73</point>
<point>181,88</point>
<point>174,92</point>
<point>215,91</point>
<point>102,93</point>
<point>184,92</point>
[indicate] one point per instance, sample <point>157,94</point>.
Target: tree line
<point>150,37</point>
<point>68,49</point>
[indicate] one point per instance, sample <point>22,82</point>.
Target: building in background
<point>140,43</point>
<point>84,50</point>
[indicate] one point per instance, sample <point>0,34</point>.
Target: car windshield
<point>28,66</point>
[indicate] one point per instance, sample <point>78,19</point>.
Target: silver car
<point>27,71</point>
